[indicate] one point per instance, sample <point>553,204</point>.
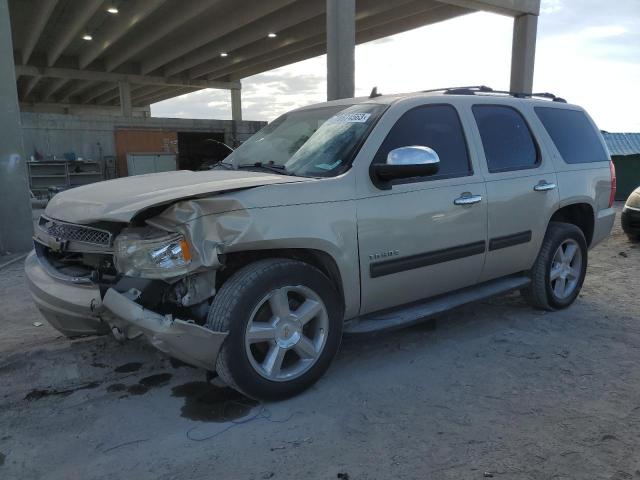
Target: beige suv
<point>351,216</point>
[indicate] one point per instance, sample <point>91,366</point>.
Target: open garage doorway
<point>201,150</point>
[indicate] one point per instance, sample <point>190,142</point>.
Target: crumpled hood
<point>119,200</point>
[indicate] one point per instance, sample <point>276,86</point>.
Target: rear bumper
<point>181,339</point>
<point>72,309</point>
<point>630,220</point>
<point>603,225</point>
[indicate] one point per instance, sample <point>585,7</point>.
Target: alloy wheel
<point>286,333</point>
<point>566,269</point>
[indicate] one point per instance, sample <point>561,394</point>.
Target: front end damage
<point>182,339</point>
<point>82,287</point>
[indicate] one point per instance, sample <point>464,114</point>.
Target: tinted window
<point>434,126</point>
<point>573,135</point>
<point>506,138</point>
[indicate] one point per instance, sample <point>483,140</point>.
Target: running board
<point>414,313</point>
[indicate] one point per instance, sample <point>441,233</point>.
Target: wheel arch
<point>579,214</point>
<point>323,261</point>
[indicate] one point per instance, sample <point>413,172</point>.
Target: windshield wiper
<point>270,167</point>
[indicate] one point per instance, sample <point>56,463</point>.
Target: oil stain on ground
<point>156,380</point>
<point>116,387</point>
<point>143,386</point>
<point>38,394</point>
<point>175,363</point>
<point>128,367</point>
<point>206,403</point>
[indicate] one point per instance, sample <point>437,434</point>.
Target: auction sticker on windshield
<point>350,118</point>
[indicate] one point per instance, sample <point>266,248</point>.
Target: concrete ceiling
<point>165,48</point>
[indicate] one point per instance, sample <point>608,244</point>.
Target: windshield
<point>319,142</point>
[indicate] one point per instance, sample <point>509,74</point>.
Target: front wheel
<point>559,270</point>
<point>285,324</point>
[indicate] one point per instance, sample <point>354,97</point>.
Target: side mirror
<point>406,162</point>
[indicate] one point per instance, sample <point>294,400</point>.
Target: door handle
<point>543,186</point>
<point>467,199</point>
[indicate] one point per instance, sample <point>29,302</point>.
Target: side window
<point>506,138</point>
<point>573,135</point>
<point>434,126</point>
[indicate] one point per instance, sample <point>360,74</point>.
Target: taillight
<point>612,169</point>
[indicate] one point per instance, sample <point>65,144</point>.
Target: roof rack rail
<point>472,90</point>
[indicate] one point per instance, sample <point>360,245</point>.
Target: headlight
<point>151,253</point>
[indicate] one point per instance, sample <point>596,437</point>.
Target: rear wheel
<point>559,270</point>
<point>284,324</point>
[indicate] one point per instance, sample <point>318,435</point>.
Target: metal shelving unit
<point>45,175</point>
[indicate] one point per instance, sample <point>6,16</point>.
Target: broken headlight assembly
<point>151,253</point>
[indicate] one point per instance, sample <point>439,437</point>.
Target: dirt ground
<point>492,390</point>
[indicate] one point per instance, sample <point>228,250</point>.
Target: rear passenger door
<point>521,188</point>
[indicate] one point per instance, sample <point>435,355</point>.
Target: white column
<point>341,44</point>
<point>523,53</point>
<point>125,99</point>
<point>16,225</point>
<point>236,104</point>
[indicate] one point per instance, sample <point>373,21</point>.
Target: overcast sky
<point>588,52</point>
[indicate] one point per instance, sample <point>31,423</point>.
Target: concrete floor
<point>491,390</point>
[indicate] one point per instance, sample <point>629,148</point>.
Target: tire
<point>543,292</point>
<point>246,306</point>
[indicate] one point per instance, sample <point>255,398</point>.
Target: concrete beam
<point>254,32</point>
<point>97,92</point>
<point>512,8</point>
<point>312,33</point>
<point>166,96</point>
<point>53,86</point>
<point>145,96</point>
<point>295,54</point>
<point>303,32</point>
<point>16,224</point>
<point>94,75</point>
<point>29,86</point>
<point>156,31</point>
<point>523,53</point>
<point>131,13</point>
<point>82,13</point>
<point>145,91</point>
<point>236,104</point>
<point>72,108</point>
<point>41,11</point>
<point>77,88</point>
<point>124,89</point>
<point>341,44</point>
<point>226,17</point>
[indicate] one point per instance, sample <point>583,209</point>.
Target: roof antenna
<point>374,93</point>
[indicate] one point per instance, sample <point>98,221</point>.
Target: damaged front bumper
<point>77,309</point>
<point>181,339</point>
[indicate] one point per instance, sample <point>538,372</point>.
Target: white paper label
<point>350,118</point>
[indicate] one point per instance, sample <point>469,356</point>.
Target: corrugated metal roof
<point>622,143</point>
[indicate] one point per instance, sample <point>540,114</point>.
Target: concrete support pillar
<point>236,104</point>
<point>125,98</point>
<point>341,44</point>
<point>523,53</point>
<point>16,224</point>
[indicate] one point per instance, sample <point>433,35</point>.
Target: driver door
<point>422,237</point>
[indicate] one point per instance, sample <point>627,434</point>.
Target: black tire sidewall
<point>244,375</point>
<point>559,236</point>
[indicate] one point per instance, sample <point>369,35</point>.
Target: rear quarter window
<point>573,134</point>
<point>507,141</point>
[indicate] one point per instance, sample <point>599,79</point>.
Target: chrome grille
<point>75,233</point>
